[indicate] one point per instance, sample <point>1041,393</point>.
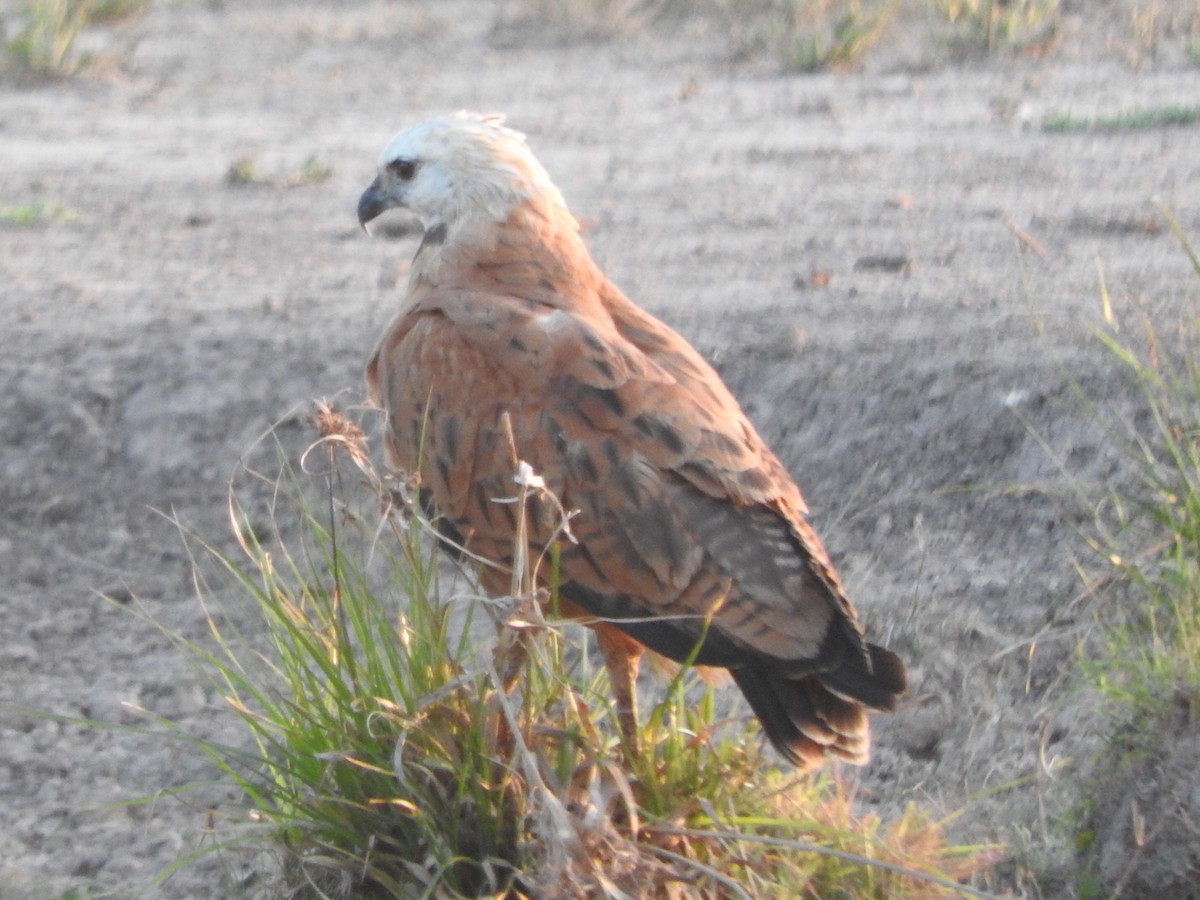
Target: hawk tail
<point>807,717</point>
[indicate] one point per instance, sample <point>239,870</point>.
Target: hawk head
<point>455,169</point>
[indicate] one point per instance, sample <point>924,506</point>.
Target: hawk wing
<point>684,512</point>
<point>689,530</point>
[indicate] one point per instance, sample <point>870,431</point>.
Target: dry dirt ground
<point>894,268</point>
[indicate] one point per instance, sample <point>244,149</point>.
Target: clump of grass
<point>801,35</point>
<point>1130,120</point>
<point>311,171</point>
<point>244,172</point>
<point>811,35</point>
<point>1154,23</point>
<point>45,44</point>
<point>1192,39</point>
<point>824,35</point>
<point>1001,24</point>
<point>1134,827</point>
<point>27,215</point>
<point>1146,26</point>
<point>1151,661</point>
<point>383,758</point>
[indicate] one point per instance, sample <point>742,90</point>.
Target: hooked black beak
<point>372,202</point>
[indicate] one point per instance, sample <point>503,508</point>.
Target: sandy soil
<point>895,269</point>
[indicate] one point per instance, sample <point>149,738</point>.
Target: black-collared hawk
<point>687,530</point>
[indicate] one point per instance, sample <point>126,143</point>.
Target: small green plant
<point>25,215</point>
<point>384,759</point>
<point>1152,658</point>
<point>811,35</point>
<point>244,172</point>
<point>827,38</point>
<point>1192,38</point>
<point>1133,120</point>
<point>1146,26</point>
<point>1144,657</point>
<point>1155,23</point>
<point>1000,24</point>
<point>44,44</point>
<point>313,171</point>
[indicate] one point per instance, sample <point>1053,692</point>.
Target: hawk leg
<point>622,655</point>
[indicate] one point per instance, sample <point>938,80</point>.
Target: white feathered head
<point>457,167</point>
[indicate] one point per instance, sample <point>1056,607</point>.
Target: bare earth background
<point>844,246</point>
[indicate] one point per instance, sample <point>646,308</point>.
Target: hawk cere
<point>688,530</point>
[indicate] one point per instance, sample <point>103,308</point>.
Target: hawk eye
<point>404,169</point>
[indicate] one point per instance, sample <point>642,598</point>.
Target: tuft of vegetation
<point>801,35</point>
<point>312,171</point>
<point>1152,659</point>
<point>244,172</point>
<point>1154,23</point>
<point>1132,120</point>
<point>45,44</point>
<point>27,215</point>
<point>382,758</point>
<point>1135,824</point>
<point>995,25</point>
<point>812,35</point>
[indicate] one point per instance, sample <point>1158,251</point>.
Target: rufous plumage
<point>689,536</point>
